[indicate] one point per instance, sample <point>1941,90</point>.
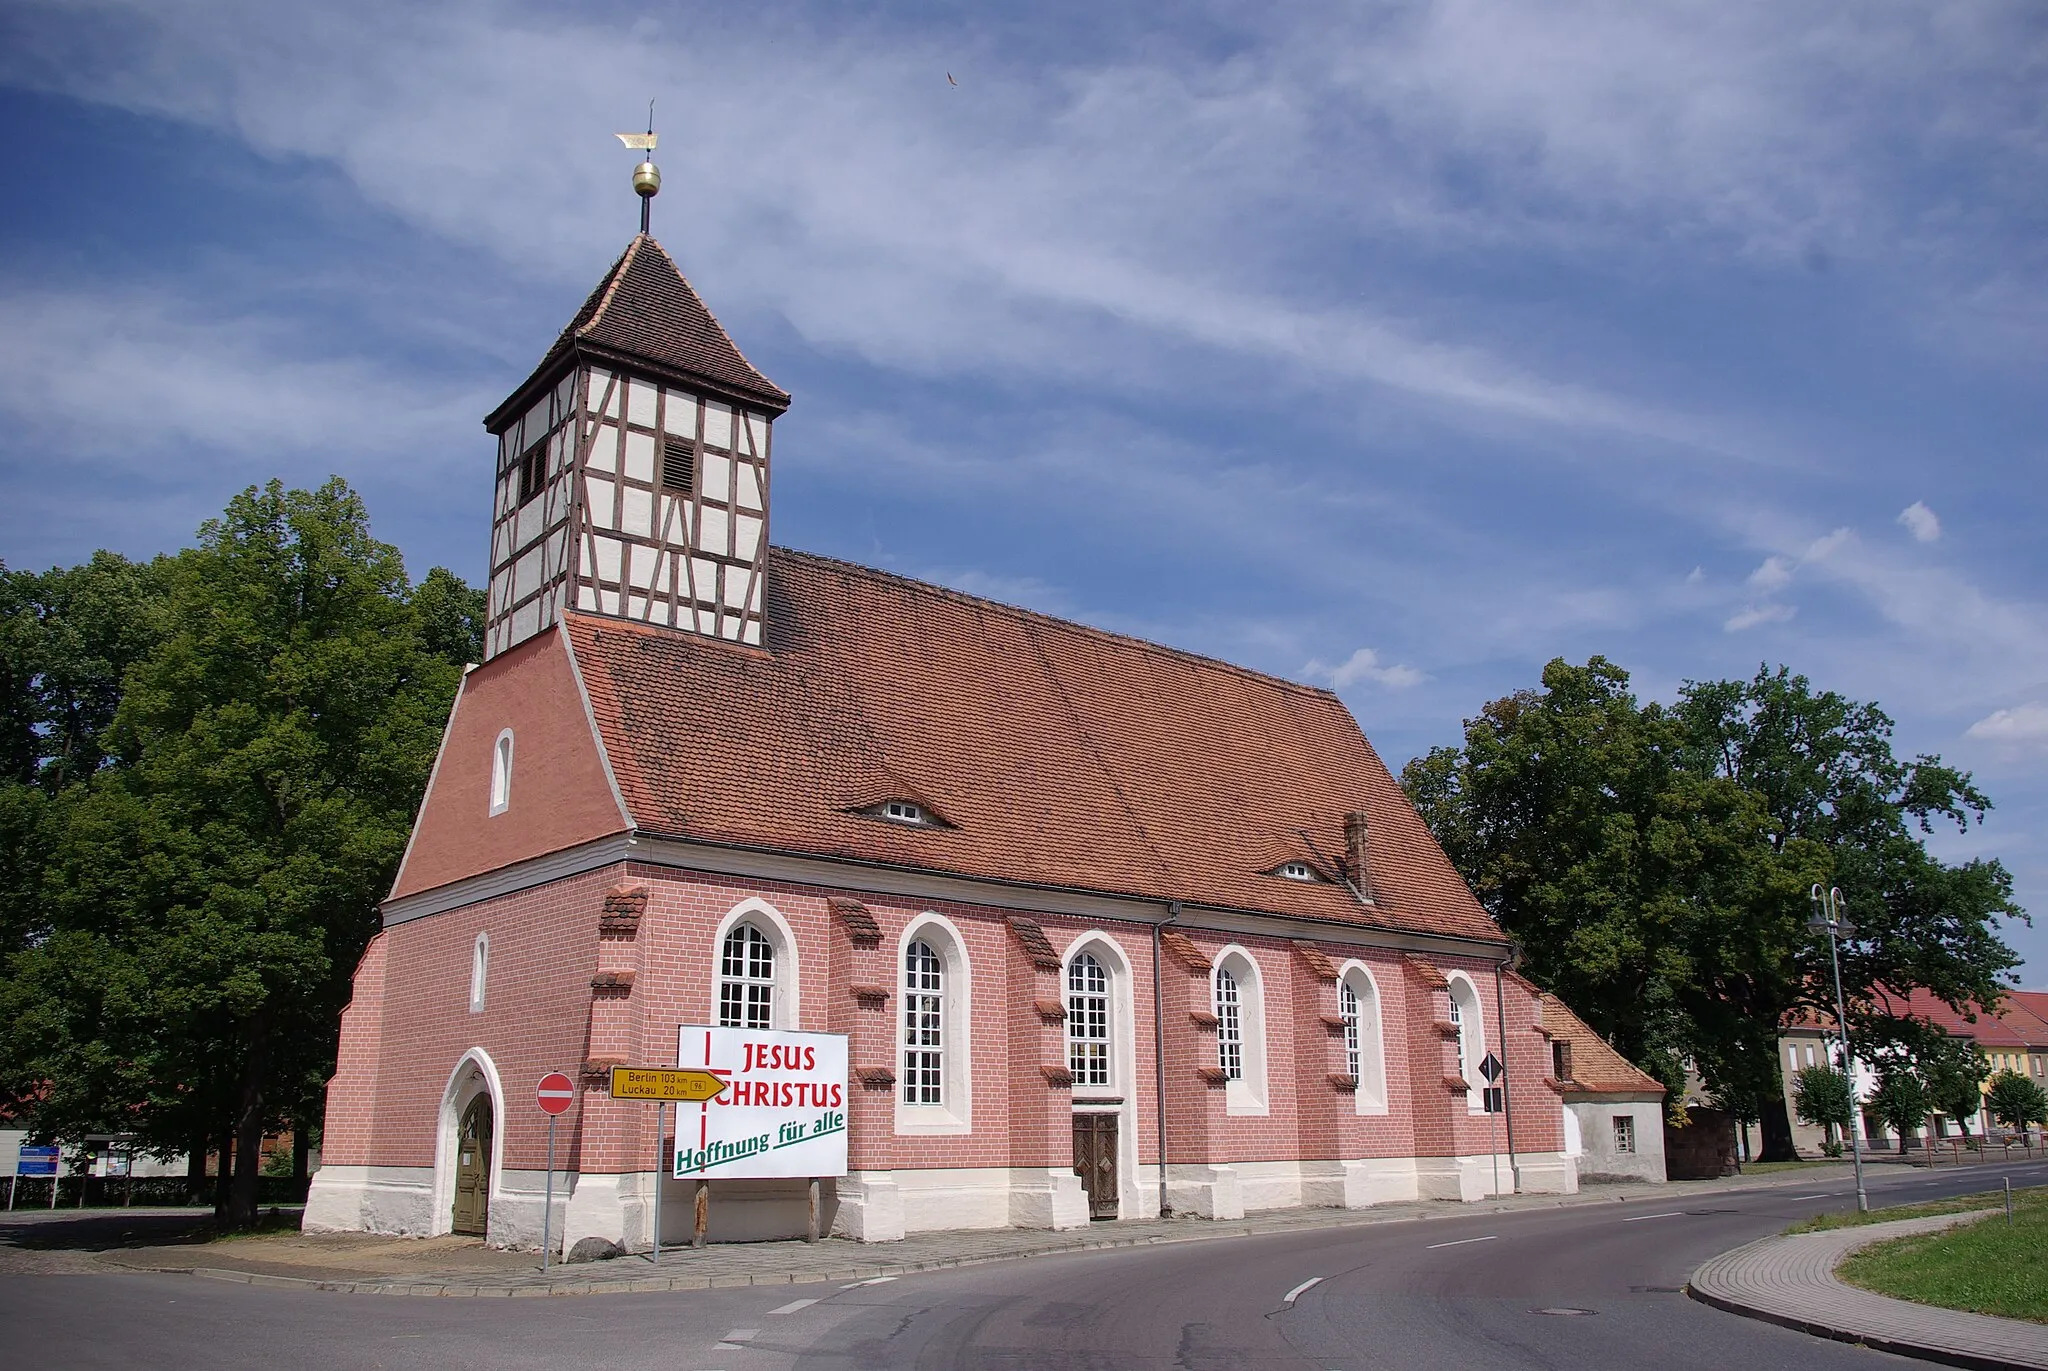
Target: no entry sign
<point>557,1092</point>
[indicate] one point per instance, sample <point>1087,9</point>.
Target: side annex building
<point>1107,925</point>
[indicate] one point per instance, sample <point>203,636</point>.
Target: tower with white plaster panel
<point>632,471</point>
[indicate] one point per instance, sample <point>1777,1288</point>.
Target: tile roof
<point>645,308</point>
<point>2015,1025</point>
<point>1597,1069</point>
<point>1058,754</point>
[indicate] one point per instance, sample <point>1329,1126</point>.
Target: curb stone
<point>1789,1280</point>
<point>593,1279</point>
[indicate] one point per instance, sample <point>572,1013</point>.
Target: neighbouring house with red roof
<point>1105,925</point>
<point>1614,1110</point>
<point>2014,1038</point>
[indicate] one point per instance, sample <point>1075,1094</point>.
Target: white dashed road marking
<point>1821,1196</point>
<point>1296,1293</point>
<point>1674,1214</point>
<point>736,1340</point>
<point>1490,1237</point>
<point>793,1306</point>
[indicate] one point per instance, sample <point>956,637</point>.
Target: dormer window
<point>905,812</point>
<point>1296,871</point>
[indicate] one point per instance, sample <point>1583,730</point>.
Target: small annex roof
<point>1059,755</point>
<point>1597,1069</point>
<point>646,310</point>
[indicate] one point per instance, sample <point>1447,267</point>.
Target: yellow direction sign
<point>664,1084</point>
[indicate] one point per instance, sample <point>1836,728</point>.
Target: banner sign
<point>36,1161</point>
<point>782,1113</point>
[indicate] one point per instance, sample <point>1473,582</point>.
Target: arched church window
<point>1087,1021</point>
<point>1229,1026</point>
<point>1347,1010</point>
<point>924,1009</point>
<point>501,773</point>
<point>746,979</point>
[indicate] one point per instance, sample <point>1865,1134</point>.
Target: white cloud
<point>1774,574</point>
<point>1753,615</point>
<point>1920,521</point>
<point>1829,544</point>
<point>2023,725</point>
<point>1362,666</point>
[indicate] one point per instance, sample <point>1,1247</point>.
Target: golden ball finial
<point>647,180</point>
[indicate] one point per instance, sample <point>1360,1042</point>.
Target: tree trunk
<point>1775,1121</point>
<point>223,1174</point>
<point>302,1147</point>
<point>249,1124</point>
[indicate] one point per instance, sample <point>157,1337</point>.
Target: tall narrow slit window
<point>1229,1026</point>
<point>1347,1010</point>
<point>678,466</point>
<point>924,991</point>
<point>746,979</point>
<point>479,971</point>
<point>1088,1021</point>
<point>1458,1022</point>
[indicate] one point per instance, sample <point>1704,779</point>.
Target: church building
<point>1110,928</point>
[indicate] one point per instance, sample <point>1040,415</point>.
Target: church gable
<point>520,772</point>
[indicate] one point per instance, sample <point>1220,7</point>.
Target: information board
<point>782,1114</point>
<point>36,1161</point>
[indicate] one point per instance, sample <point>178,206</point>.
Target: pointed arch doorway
<point>473,1168</point>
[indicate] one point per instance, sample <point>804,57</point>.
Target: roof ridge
<point>607,290</point>
<point>723,333</point>
<point>1200,659</point>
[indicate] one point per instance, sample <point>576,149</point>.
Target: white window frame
<point>1625,1135</point>
<point>479,972</point>
<point>906,812</point>
<point>1079,1015</point>
<point>953,1114</point>
<point>1469,1013</point>
<point>1296,871</point>
<point>1228,1004</point>
<point>1246,1094</point>
<point>768,921</point>
<point>1369,1032</point>
<point>501,773</point>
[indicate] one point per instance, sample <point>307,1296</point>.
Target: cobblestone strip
<point>1790,1280</point>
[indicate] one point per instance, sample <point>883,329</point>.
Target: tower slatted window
<point>533,470</point>
<point>746,979</point>
<point>1088,1021</point>
<point>924,989</point>
<point>678,466</point>
<point>1229,1027</point>
<point>1347,1010</point>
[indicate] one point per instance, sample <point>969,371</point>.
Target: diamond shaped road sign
<point>1491,1068</point>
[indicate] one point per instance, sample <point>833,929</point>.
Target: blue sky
<point>1395,346</point>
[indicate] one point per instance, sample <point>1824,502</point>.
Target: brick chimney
<point>1358,852</point>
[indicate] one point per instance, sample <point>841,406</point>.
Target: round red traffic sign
<point>557,1092</point>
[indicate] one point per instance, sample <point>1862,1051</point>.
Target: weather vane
<point>646,176</point>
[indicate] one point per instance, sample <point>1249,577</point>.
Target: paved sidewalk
<point>1790,1280</point>
<point>835,1259</point>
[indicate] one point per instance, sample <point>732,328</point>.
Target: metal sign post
<point>660,1158</point>
<point>555,1093</point>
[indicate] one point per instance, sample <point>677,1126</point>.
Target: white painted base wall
<point>883,1206</point>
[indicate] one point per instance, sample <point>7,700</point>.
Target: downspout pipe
<point>1500,1010</point>
<point>1159,1044</point>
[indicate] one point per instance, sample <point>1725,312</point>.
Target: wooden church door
<point>1095,1162</point>
<point>473,1168</point>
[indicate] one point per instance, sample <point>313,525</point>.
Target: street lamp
<point>1828,918</point>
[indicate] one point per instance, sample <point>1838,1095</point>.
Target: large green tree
<point>1656,865</point>
<point>204,894</point>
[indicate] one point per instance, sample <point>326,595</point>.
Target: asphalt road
<point>1583,1287</point>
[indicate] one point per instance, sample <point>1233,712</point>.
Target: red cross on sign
<point>557,1092</point>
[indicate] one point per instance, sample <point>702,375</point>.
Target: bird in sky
<point>949,79</point>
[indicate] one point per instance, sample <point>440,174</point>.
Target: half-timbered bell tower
<point>633,466</point>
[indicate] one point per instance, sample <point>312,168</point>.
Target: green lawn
<point>1985,1266</point>
<point>1955,1204</point>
